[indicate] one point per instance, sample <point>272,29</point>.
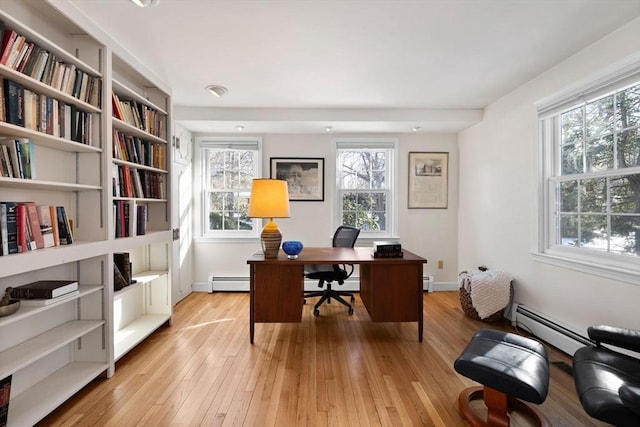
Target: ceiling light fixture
<point>328,129</point>
<point>416,128</point>
<point>145,3</point>
<point>217,90</point>
<point>239,128</point>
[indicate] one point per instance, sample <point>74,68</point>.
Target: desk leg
<point>420,304</point>
<point>252,296</point>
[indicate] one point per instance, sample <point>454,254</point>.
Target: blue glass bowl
<point>292,248</point>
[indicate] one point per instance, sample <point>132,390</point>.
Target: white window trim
<point>199,185</point>
<point>392,143</point>
<point>594,263</point>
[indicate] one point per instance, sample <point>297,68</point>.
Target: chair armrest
<point>620,337</point>
<point>630,396</point>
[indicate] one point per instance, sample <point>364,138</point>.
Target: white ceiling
<point>356,65</point>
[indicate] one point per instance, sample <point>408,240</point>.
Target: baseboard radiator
<point>549,330</point>
<point>241,284</point>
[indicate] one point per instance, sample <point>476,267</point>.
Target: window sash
<point>231,198</point>
<point>607,261</point>
<point>387,216</point>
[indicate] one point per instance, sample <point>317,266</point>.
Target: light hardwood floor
<point>332,370</point>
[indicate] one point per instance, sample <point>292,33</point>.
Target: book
<point>44,289</point>
<point>34,223</point>
<point>121,260</point>
<point>9,220</point>
<point>53,212</point>
<point>119,281</point>
<point>13,102</point>
<point>64,227</point>
<point>46,225</point>
<point>5,397</point>
<point>41,302</point>
<point>8,38</point>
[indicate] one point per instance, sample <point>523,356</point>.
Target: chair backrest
<point>345,236</point>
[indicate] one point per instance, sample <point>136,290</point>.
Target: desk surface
<point>331,255</point>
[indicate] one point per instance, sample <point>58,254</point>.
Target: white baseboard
<point>241,284</point>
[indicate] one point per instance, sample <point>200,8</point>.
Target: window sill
<point>627,275</point>
<point>227,239</point>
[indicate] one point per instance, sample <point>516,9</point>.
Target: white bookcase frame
<point>53,351</point>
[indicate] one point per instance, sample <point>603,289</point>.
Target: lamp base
<point>270,239</point>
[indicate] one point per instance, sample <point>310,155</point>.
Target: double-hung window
<point>365,180</point>
<point>591,183</point>
<point>228,166</point>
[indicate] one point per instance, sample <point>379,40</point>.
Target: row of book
<point>139,115</point>
<point>45,292</point>
<point>17,158</point>
<point>130,219</point>
<point>139,183</point>
<point>26,227</point>
<point>136,150</point>
<point>26,57</point>
<point>25,108</point>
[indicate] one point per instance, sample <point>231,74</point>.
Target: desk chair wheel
<point>350,310</point>
<point>316,312</point>
<point>353,299</point>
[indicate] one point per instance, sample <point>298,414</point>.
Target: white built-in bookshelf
<point>52,351</point>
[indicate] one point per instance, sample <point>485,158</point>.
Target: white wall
<point>498,191</point>
<point>431,233</point>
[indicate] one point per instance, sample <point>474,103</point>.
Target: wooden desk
<point>390,288</point>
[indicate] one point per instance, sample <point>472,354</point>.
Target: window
<point>228,168</point>
<point>591,187</point>
<point>365,185</point>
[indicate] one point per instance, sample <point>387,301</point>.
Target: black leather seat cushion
<point>515,365</point>
<point>599,373</point>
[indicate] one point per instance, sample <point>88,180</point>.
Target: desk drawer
<point>278,292</point>
<point>392,292</point>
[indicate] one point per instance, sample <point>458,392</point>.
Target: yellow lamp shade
<point>269,199</point>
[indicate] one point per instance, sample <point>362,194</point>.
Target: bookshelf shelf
<point>45,140</point>
<point>138,166</point>
<point>30,406</point>
<point>135,332</point>
<point>45,89</point>
<point>35,184</point>
<point>25,312</point>
<point>132,130</point>
<point>132,94</point>
<point>36,348</point>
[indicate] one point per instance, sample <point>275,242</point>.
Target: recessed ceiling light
<point>145,3</point>
<point>328,129</point>
<point>416,128</point>
<point>217,90</point>
<point>239,128</point>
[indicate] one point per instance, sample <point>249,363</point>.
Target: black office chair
<point>344,237</point>
<point>608,381</point>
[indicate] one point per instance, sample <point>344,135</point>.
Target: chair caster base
<point>316,312</point>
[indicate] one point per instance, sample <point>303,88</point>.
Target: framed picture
<point>304,176</point>
<point>428,180</point>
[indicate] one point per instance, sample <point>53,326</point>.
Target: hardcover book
<point>121,260</point>
<point>44,289</point>
<point>42,302</point>
<point>5,396</point>
<point>9,228</point>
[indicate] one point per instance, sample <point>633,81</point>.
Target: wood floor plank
<point>331,370</point>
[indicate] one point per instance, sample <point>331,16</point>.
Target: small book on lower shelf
<point>42,302</point>
<point>44,289</point>
<point>5,395</point>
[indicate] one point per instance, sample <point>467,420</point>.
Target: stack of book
<point>387,250</point>
<point>45,292</point>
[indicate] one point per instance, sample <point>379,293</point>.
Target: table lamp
<point>269,199</point>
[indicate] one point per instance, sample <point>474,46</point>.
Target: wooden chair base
<point>498,405</point>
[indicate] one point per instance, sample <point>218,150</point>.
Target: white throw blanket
<point>490,290</point>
